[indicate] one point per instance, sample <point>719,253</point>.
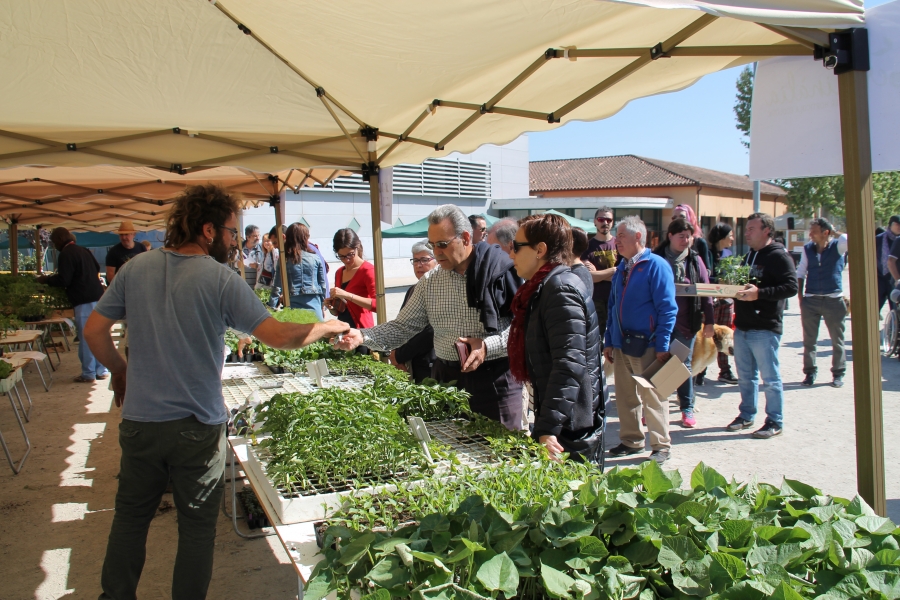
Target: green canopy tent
<point>419,229</point>
<point>586,225</point>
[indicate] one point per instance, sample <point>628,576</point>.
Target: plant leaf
<point>499,573</point>
<point>785,592</point>
<point>556,583</point>
<point>655,480</point>
<point>707,478</point>
<point>388,573</point>
<point>676,550</point>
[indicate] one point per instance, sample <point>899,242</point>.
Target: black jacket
<point>772,271</point>
<point>491,283</point>
<point>419,350</point>
<point>562,348</point>
<point>77,271</point>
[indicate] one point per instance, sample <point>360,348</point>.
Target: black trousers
<point>495,393</point>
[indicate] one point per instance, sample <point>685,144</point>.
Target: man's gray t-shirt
<point>178,308</point>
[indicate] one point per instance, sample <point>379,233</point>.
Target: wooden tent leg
<point>279,223</point>
<point>14,248</point>
<point>857,151</point>
<point>375,201</point>
<point>38,251</point>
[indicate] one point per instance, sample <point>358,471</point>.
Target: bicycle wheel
<point>889,334</point>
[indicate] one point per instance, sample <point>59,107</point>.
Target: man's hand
<point>608,354</point>
<point>243,343</point>
<point>118,386</point>
<point>397,363</point>
<point>590,266</point>
<point>663,357</point>
<point>552,445</point>
<point>709,331</point>
<point>748,294</point>
<point>42,278</point>
<point>477,353</point>
<point>350,340</point>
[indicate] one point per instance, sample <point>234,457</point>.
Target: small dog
<point>706,349</point>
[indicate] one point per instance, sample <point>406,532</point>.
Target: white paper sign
<point>795,126</point>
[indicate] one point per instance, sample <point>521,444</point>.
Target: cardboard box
<point>665,378</point>
<point>712,290</point>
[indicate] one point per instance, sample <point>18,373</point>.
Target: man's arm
<point>64,272</point>
<point>412,319</point>
<point>892,267</point>
<point>110,273</point>
<point>603,275</point>
<point>787,287</point>
<point>290,336</point>
<point>662,290</point>
<point>97,334</point>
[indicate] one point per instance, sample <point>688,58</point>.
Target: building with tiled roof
<point>647,187</point>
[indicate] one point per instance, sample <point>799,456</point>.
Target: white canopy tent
<point>179,85</point>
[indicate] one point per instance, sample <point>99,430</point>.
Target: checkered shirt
<point>439,300</point>
<point>630,262</point>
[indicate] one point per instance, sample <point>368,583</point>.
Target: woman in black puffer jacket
<point>554,341</point>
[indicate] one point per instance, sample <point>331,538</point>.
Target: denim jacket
<point>305,277</point>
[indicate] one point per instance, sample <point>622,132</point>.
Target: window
<point>707,223</point>
<point>435,177</point>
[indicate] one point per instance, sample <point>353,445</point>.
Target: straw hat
<point>126,227</point>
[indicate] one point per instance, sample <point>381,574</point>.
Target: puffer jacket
<point>562,346</point>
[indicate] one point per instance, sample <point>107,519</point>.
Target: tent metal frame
<point>799,42</point>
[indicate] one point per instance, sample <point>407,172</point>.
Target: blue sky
<point>694,126</point>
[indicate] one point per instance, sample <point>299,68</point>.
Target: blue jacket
<point>646,304</point>
<point>305,277</point>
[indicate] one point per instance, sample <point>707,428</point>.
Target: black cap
<point>894,219</point>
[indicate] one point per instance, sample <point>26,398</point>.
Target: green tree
<point>806,195</point>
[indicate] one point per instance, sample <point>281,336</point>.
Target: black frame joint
<point>176,130</point>
<point>369,169</point>
<point>244,29</point>
<point>71,147</point>
<point>552,119</point>
<point>435,102</point>
<point>848,50</point>
<point>657,51</point>
<point>550,53</point>
<point>370,133</point>
<point>273,149</point>
<point>320,91</point>
<point>274,200</point>
<point>176,168</point>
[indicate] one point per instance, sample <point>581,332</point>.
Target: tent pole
<point>375,201</point>
<point>279,223</point>
<point>857,152</point>
<point>38,251</point>
<point>240,256</point>
<point>14,247</point>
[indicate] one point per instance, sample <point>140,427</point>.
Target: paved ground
<point>55,515</point>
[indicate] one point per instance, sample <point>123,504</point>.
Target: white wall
<point>327,211</point>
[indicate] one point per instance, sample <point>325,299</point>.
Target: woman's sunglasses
<point>518,245</point>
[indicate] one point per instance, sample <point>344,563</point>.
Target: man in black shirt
<point>122,252</point>
<point>78,271</point>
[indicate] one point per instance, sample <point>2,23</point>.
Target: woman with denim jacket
<point>306,273</point>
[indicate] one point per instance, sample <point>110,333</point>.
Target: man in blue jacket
<point>641,317</point>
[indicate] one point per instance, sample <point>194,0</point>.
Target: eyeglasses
<point>348,256</point>
<point>442,245</point>
<point>483,229</point>
<point>603,220</point>
<point>519,245</point>
<point>421,261</point>
<point>234,232</point>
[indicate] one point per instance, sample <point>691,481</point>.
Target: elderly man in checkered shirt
<point>466,300</point>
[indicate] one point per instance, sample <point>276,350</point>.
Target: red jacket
<point>362,284</point>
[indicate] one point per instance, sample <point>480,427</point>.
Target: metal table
<point>9,387</point>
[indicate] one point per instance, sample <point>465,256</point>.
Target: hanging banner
<point>795,126</point>
<point>386,193</point>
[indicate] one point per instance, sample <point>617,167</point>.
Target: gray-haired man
<point>467,300</point>
<point>503,232</point>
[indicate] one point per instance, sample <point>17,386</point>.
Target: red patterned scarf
<point>515,345</point>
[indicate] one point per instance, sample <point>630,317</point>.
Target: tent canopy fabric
<point>98,198</point>
<point>187,84</point>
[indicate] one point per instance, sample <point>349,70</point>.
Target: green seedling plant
<point>333,436</point>
<point>633,532</point>
<point>264,295</point>
<point>730,271</point>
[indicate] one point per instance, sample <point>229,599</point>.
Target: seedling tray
<point>236,390</point>
<point>317,501</point>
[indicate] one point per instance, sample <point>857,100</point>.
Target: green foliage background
<point>806,195</point>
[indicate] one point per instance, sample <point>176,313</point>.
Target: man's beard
<point>219,251</point>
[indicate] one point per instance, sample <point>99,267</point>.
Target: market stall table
<point>62,323</point>
<point>27,338</point>
<point>298,539</point>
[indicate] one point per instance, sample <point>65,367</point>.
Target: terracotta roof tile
<point>628,171</point>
